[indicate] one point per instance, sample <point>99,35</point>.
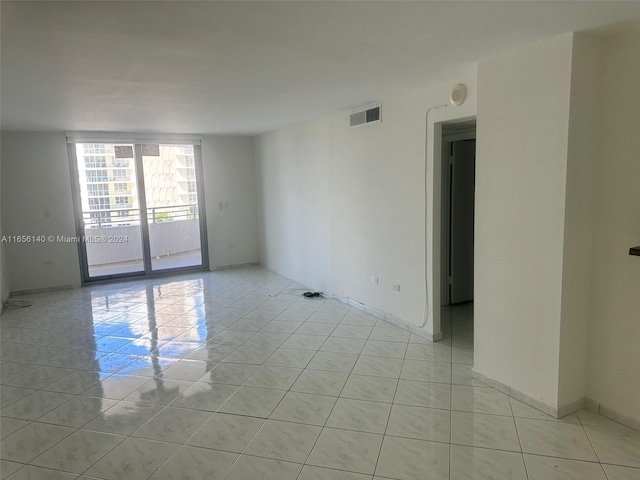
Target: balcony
<point>174,239</point>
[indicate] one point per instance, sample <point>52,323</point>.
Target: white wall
<point>522,141</point>
<point>293,170</point>
<point>339,205</point>
<point>614,335</point>
<point>35,178</point>
<point>229,179</point>
<point>4,278</point>
<point>579,218</point>
<point>556,212</point>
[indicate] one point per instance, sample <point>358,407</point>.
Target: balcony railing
<point>171,214</point>
<point>120,217</point>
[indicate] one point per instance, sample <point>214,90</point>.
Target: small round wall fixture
<point>458,95</point>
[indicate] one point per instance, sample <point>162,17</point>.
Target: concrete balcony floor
<point>184,259</point>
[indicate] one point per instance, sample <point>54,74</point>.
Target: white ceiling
<point>248,67</point>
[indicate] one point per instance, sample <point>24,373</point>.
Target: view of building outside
<point>170,182</point>
<point>109,188</point>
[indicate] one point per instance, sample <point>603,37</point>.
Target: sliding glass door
<point>171,194</point>
<point>138,208</point>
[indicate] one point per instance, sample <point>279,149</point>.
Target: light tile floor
<point>233,375</point>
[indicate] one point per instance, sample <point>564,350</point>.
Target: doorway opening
<point>139,208</point>
<point>458,165</point>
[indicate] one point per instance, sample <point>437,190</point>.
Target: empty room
<point>320,240</point>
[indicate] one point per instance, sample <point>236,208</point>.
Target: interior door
<point>463,172</point>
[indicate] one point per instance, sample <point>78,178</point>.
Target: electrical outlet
<point>229,246</point>
<point>395,287</point>
<point>47,214</point>
<point>374,280</point>
<point>48,263</point>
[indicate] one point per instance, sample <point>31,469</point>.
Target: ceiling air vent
<point>365,116</point>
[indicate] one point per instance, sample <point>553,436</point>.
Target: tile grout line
<point>451,394</point>
<point>79,428</point>
<point>273,410</point>
<point>337,398</point>
<point>375,468</point>
<point>584,430</point>
<point>216,412</point>
<point>258,286</point>
<point>164,407</point>
<point>515,423</point>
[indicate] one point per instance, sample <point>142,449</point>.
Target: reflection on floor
<point>226,375</point>
<point>457,328</point>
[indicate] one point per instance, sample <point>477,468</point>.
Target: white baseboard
<point>612,414</point>
<point>235,265</point>
<point>501,387</point>
<point>555,412</point>
<point>31,291</point>
<point>564,410</point>
<point>387,317</point>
